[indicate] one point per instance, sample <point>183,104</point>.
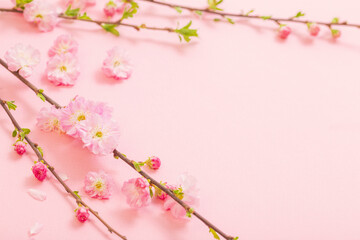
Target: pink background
<point>271,129</point>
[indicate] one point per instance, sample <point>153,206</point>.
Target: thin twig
<point>130,163</point>
<point>52,170</point>
<point>242,15</point>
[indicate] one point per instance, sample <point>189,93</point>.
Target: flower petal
<point>36,194</point>
<point>63,177</point>
<point>36,228</point>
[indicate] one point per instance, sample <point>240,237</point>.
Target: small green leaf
<point>136,166</point>
<point>299,14</point>
<point>111,28</point>
<point>230,20</point>
<point>189,212</point>
<point>23,133</point>
<point>77,194</point>
<point>84,16</point>
<point>249,12</point>
<point>217,19</point>
<point>41,96</point>
<point>14,133</point>
<point>151,191</point>
<point>265,17</point>
<point>335,20</point>
<point>129,12</point>
<point>186,32</point>
<point>214,233</point>
<point>40,151</point>
<point>11,105</point>
<point>236,238</point>
<point>21,3</point>
<point>178,9</point>
<point>213,5</point>
<point>199,12</point>
<point>72,12</point>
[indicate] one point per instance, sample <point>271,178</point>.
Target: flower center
<point>99,134</point>
<point>81,117</point>
<point>63,68</point>
<point>98,185</point>
<point>117,63</point>
<point>39,16</point>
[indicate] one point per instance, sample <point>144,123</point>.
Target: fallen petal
<point>36,229</point>
<point>37,195</point>
<point>63,177</point>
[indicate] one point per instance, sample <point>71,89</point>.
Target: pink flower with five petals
<point>42,13</point>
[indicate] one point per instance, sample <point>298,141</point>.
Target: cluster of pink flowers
<point>85,120</point>
<point>115,7</point>
<point>117,64</point>
<point>98,185</point>
<point>63,68</point>
<point>43,13</point>
<point>22,58</point>
<point>137,192</point>
<point>284,31</point>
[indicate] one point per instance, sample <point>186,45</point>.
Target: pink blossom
<point>335,33</point>
<point>82,214</point>
<point>100,136</point>
<point>78,111</point>
<point>110,8</point>
<point>161,194</point>
<point>153,162</point>
<point>48,119</point>
<point>43,13</point>
<point>188,192</point>
<point>63,70</point>
<point>283,32</point>
<point>314,29</point>
<point>22,58</point>
<point>40,170</point>
<point>136,192</point>
<point>82,4</point>
<point>20,147</point>
<point>62,45</point>
<point>117,65</point>
<point>98,185</point>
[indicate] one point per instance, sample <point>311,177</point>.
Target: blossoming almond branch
<point>42,166</point>
<point>99,135</point>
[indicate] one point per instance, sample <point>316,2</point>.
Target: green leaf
<point>230,20</point>
<point>21,3</point>
<point>335,20</point>
<point>72,12</point>
<point>213,5</point>
<point>14,133</point>
<point>40,151</point>
<point>248,13</point>
<point>217,19</point>
<point>23,133</point>
<point>178,9</point>
<point>11,105</point>
<point>136,166</point>
<point>199,12</point>
<point>40,95</point>
<point>299,14</point>
<point>214,233</point>
<point>111,28</point>
<point>84,16</point>
<point>186,32</point>
<point>265,17</point>
<point>129,12</point>
<point>151,192</point>
<point>189,212</point>
<point>77,194</point>
<point>236,238</point>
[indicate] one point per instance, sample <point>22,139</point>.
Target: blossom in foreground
<point>20,147</point>
<point>42,13</point>
<point>22,58</point>
<point>136,192</point>
<point>314,29</point>
<point>187,192</point>
<point>40,171</point>
<point>284,31</point>
<point>98,185</point>
<point>153,162</point>
<point>63,70</point>
<point>82,214</point>
<point>48,119</point>
<point>100,136</point>
<point>117,65</point>
<point>62,45</point>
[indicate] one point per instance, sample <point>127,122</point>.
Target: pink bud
<point>161,194</point>
<point>39,170</point>
<point>335,33</point>
<point>284,32</point>
<point>153,162</point>
<point>110,9</point>
<point>314,29</point>
<point>20,147</point>
<point>82,214</point>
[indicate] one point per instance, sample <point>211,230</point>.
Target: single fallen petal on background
<point>36,228</point>
<point>63,176</point>
<point>36,194</point>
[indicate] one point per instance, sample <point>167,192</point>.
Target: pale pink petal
<point>36,228</point>
<point>63,177</point>
<point>36,194</point>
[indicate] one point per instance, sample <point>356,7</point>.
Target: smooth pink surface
<point>270,128</point>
